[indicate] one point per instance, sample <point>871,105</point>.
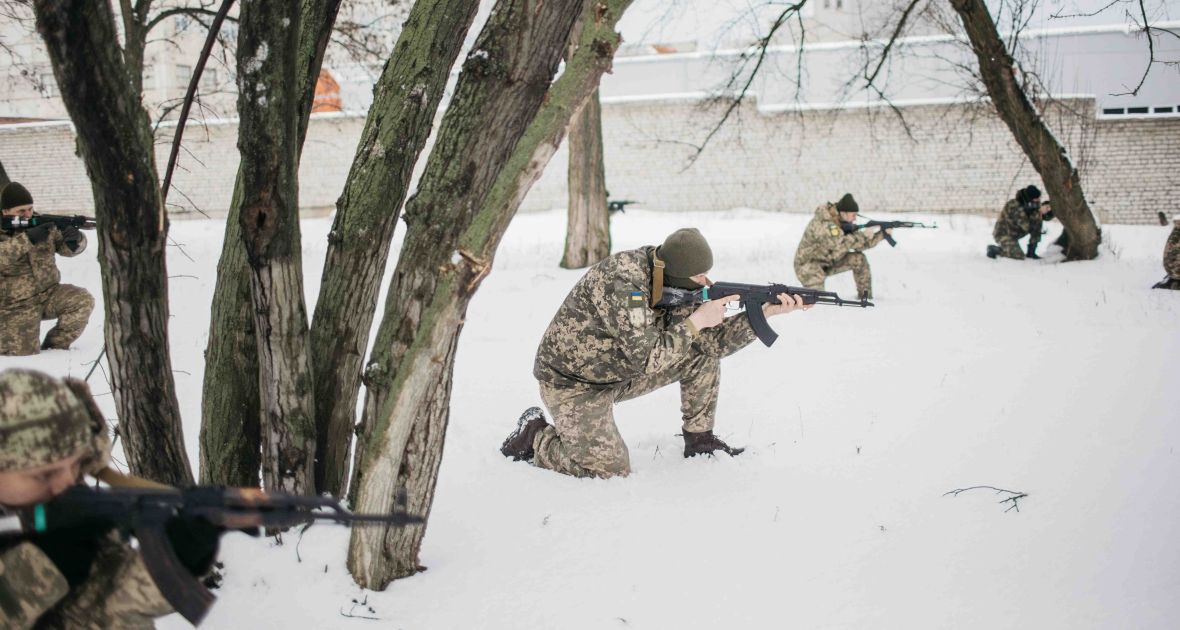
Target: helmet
<point>44,420</point>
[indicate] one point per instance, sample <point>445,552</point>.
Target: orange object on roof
<point>327,94</point>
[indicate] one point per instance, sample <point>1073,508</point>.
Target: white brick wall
<point>787,162</point>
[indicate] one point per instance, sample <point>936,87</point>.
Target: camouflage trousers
<point>1009,247</point>
<point>20,323</point>
<point>812,274</point>
<point>584,441</point>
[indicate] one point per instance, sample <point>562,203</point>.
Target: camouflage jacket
<point>1172,252</point>
<point>26,269</point>
<point>1014,223</point>
<point>118,593</point>
<point>606,333</point>
<point>825,242</point>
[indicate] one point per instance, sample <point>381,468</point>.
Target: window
<point>1137,110</point>
<point>184,74</point>
<point>209,79</point>
<point>1164,110</point>
<point>47,85</point>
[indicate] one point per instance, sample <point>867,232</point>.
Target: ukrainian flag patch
<point>635,299</point>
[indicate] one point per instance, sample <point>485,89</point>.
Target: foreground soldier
<point>30,284</point>
<point>1172,258</point>
<point>51,434</point>
<point>608,344</point>
<point>829,247</point>
<point>1021,216</point>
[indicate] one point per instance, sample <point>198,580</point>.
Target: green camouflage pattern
<point>30,291</point>
<point>607,344</point>
<point>1014,224</point>
<point>41,420</point>
<point>1172,252</point>
<point>119,593</point>
<point>825,250</point>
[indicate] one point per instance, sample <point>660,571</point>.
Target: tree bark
<point>3,175</point>
<point>115,141</point>
<point>587,237</point>
<point>230,405</point>
<point>1046,154</point>
<point>396,129</point>
<point>500,130</point>
<point>269,220</point>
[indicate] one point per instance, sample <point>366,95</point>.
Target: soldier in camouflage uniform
<point>51,433</point>
<point>608,343</point>
<point>1172,258</point>
<point>832,244</point>
<point>30,288</point>
<point>1021,216</point>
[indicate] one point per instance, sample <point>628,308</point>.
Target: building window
<point>1164,110</point>
<point>184,74</point>
<point>48,85</point>
<point>209,79</point>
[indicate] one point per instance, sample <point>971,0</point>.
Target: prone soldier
<point>832,244</point>
<point>30,283</point>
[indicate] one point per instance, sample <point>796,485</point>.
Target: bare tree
<point>500,130</point>
<point>115,142</point>
<point>587,235</point>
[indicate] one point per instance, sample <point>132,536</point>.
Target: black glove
<point>72,551</point>
<point>195,541</point>
<point>1032,252</point>
<point>38,234</point>
<point>72,237</point>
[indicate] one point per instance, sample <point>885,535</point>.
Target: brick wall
<point>959,159</point>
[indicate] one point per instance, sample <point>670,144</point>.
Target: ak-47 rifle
<point>886,225</point>
<point>61,221</point>
<point>752,297</point>
<point>619,206</point>
<point>144,513</point>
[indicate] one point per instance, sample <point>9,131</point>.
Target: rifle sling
<point>657,279</point>
<point>117,479</point>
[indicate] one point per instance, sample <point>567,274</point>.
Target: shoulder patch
<point>635,299</point>
<point>834,230</point>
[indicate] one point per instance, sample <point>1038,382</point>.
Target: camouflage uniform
<point>826,250</point>
<point>41,422</point>
<point>606,345</point>
<point>1014,223</point>
<point>30,291</point>
<point>1172,259</point>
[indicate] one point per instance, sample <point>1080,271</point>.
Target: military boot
<point>993,251</point>
<point>705,443</point>
<point>519,444</point>
<point>864,294</point>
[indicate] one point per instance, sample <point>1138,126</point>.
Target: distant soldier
<point>1172,258</point>
<point>608,343</point>
<point>1021,216</point>
<point>30,284</point>
<point>51,434</point>
<point>832,244</point>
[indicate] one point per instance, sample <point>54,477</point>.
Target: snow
<point>1057,380</point>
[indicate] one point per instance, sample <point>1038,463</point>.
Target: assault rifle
<point>60,220</point>
<point>144,512</point>
<point>752,297</point>
<point>619,206</point>
<point>886,225</point>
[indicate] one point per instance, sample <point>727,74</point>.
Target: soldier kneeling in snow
<point>1171,258</point>
<point>608,343</point>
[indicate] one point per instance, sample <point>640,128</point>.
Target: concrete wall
<point>959,159</point>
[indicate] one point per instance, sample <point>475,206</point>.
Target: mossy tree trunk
<point>230,405</point>
<point>269,220</point>
<point>396,129</point>
<point>505,122</point>
<point>1046,154</point>
<point>115,142</point>
<point>587,236</point>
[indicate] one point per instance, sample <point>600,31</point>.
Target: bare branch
<point>1146,30</point>
<point>1014,499</point>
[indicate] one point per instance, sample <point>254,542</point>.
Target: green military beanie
<point>42,420</point>
<point>14,195</point>
<point>685,253</point>
<point>847,204</point>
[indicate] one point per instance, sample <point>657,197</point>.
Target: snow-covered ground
<point>1057,380</point>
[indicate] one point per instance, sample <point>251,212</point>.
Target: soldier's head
<point>847,208</point>
<point>50,433</point>
<point>687,258</point>
<point>15,201</point>
<point>1029,198</point>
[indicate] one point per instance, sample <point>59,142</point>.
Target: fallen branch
<point>1014,499</point>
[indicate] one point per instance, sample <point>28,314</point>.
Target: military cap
<point>847,204</point>
<point>41,420</point>
<point>685,253</point>
<point>14,195</point>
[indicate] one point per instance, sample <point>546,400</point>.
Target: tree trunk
<point>3,175</point>
<point>498,133</point>
<point>587,237</point>
<point>1047,156</point>
<point>396,129</point>
<point>269,220</point>
<point>115,141</point>
<point>230,406</point>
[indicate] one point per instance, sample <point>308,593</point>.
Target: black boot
<point>993,251</point>
<point>706,443</point>
<point>519,444</point>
